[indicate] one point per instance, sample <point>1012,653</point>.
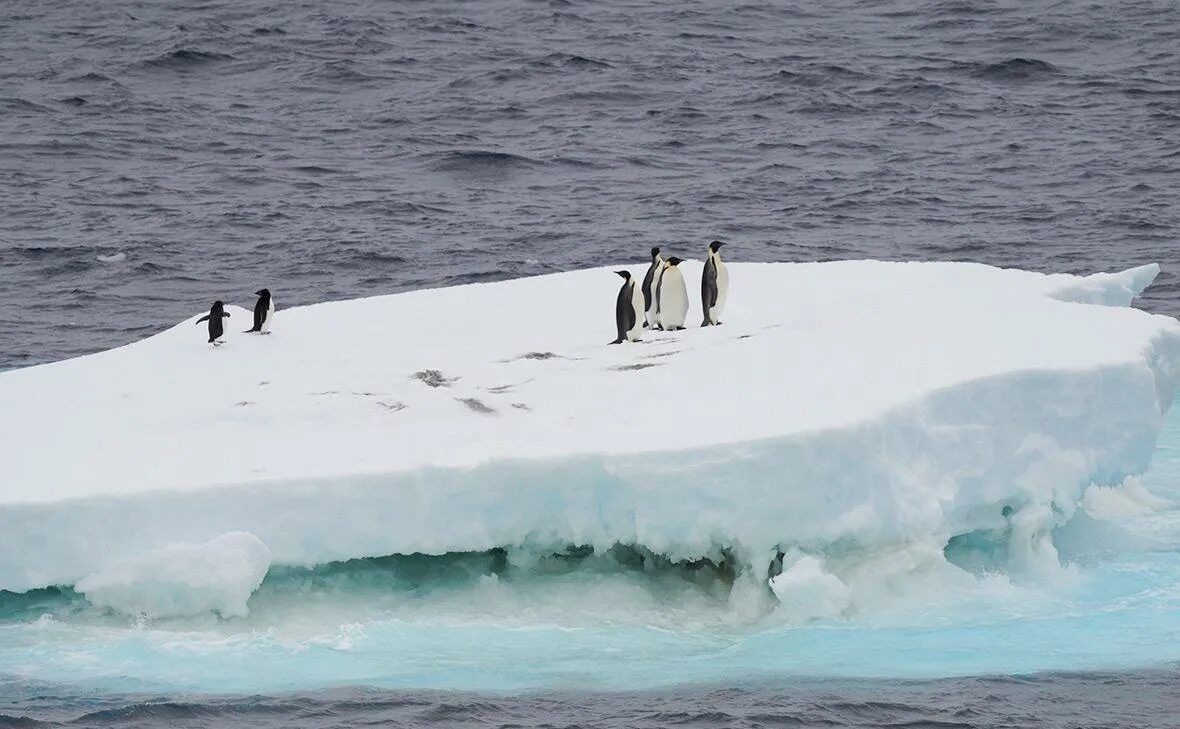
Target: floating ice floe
<point>859,403</point>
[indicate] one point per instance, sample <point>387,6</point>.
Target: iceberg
<point>863,404</point>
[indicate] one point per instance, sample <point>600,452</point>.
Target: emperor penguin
<point>628,310</point>
<point>216,313</point>
<point>714,286</point>
<point>673,296</point>
<point>264,312</point>
<point>650,302</point>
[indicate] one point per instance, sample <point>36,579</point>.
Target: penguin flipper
<point>204,318</point>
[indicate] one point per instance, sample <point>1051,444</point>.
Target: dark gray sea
<point>157,155</point>
<point>1050,701</point>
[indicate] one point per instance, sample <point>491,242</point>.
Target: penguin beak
<point>624,274</point>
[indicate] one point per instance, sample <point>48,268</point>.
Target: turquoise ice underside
<point>445,623</point>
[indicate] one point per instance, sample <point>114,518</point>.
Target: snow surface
<point>855,402</point>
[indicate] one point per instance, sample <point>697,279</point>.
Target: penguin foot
<point>617,341</point>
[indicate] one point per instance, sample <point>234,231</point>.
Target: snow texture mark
<point>393,407</point>
<point>633,367</point>
<point>243,403</point>
<point>500,389</point>
<point>434,378</point>
<point>476,405</point>
<point>540,355</point>
<point>522,406</point>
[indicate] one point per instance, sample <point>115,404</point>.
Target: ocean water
<point>156,156</point>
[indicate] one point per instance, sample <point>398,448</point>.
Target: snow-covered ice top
<point>854,400</point>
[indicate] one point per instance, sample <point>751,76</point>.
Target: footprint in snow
<point>433,378</point>
<point>476,405</point>
<point>633,367</point>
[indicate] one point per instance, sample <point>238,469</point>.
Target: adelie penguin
<point>714,286</point>
<point>673,295</point>
<point>216,313</point>
<point>264,313</point>
<point>650,302</point>
<point>628,310</point>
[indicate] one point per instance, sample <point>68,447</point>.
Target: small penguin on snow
<point>650,302</point>
<point>264,313</point>
<point>714,286</point>
<point>216,329</point>
<point>628,310</point>
<point>673,296</point>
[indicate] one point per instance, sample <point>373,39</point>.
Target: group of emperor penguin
<point>264,314</point>
<point>661,302</point>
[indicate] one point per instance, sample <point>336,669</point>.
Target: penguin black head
<point>655,252</point>
<point>217,306</point>
<point>625,274</point>
<point>674,261</point>
<point>715,246</point>
<point>262,292</point>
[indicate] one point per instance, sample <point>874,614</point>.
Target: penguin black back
<point>216,313</point>
<point>624,311</point>
<point>262,310</point>
<point>649,279</point>
<point>709,283</point>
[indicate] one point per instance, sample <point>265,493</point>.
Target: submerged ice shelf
<point>862,403</point>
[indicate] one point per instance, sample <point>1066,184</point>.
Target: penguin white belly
<point>636,306</point>
<point>268,317</point>
<point>673,299</point>
<point>722,290</point>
